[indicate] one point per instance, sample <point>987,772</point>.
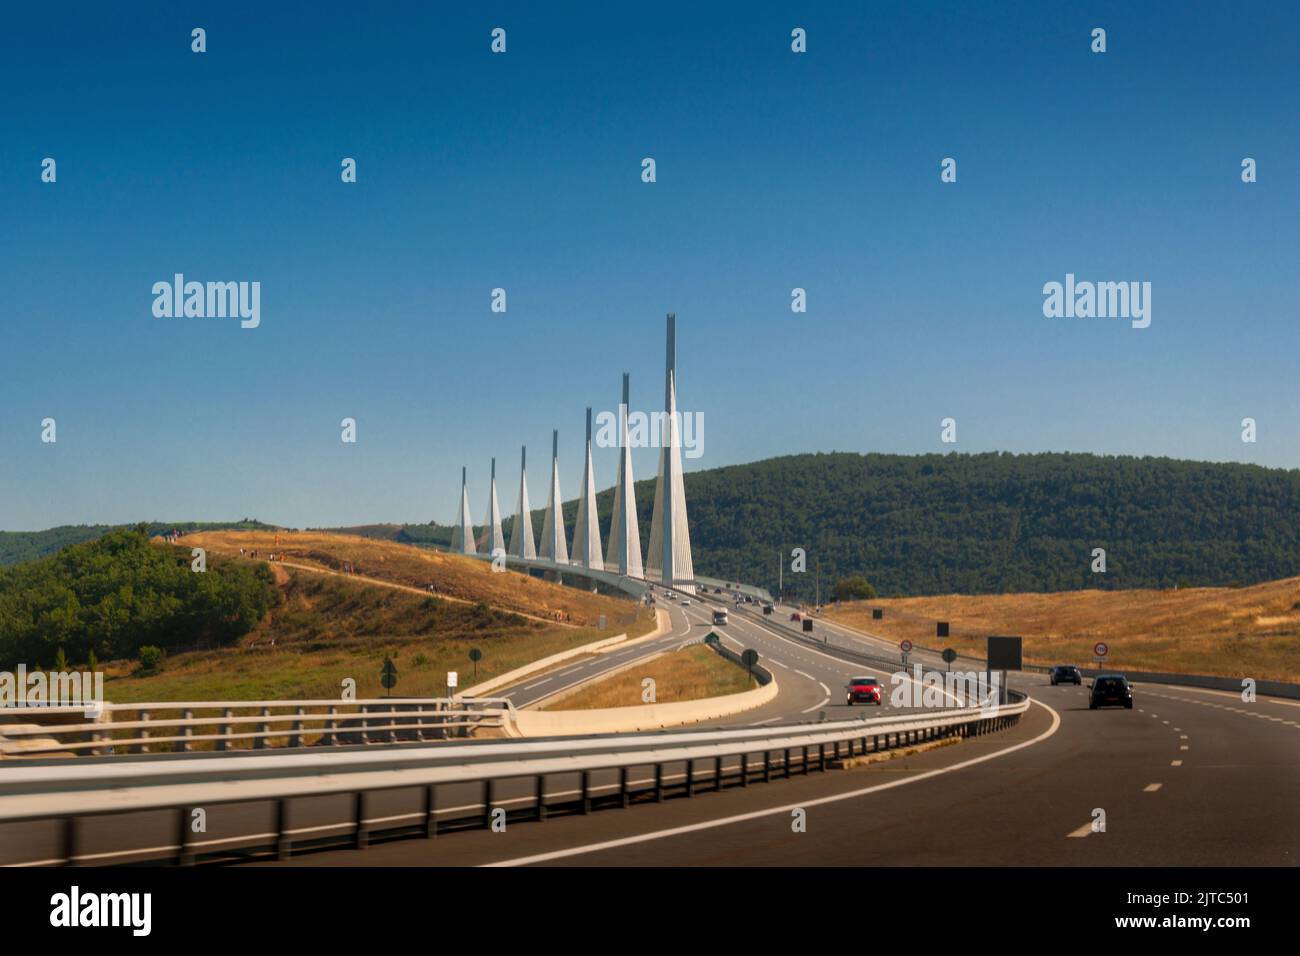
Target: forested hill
<point>978,524</point>
<point>996,522</point>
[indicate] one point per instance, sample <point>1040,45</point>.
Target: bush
<point>150,657</point>
<point>854,588</point>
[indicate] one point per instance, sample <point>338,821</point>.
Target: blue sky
<point>522,170</point>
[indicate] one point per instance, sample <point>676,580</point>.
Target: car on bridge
<point>796,616</point>
<point>1110,690</point>
<point>720,616</point>
<point>1065,674</point>
<point>864,690</point>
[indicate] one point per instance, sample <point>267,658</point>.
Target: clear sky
<point>523,170</point>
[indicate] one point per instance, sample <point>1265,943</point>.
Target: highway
<point>1188,777</point>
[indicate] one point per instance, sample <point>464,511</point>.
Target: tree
<point>854,588</point>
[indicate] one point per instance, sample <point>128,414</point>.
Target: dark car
<point>864,690</point>
<point>1065,674</point>
<point>1110,690</point>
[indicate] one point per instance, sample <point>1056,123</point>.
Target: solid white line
<point>1152,787</point>
<point>538,684</point>
<point>1176,763</point>
<point>1083,831</point>
<point>783,810</point>
<point>815,706</point>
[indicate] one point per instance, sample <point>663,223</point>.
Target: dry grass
<point>1233,632</point>
<point>454,576</point>
<point>692,673</point>
<point>329,627</point>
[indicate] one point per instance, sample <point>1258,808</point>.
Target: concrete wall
<point>612,720</point>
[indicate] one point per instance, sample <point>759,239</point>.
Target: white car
<point>686,602</point>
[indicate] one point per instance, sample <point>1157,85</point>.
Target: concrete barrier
<point>617,720</point>
<point>1266,688</point>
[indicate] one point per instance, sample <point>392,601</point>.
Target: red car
<point>865,690</point>
<point>795,616</point>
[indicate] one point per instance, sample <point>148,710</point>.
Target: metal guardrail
<point>74,791</point>
<point>179,727</point>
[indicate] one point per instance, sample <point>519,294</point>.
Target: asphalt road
<point>1188,777</point>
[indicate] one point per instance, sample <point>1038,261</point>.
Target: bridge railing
<point>179,727</point>
<point>683,763</point>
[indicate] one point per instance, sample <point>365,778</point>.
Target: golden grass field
<point>454,576</point>
<point>332,626</point>
<point>1232,632</point>
<point>692,673</point>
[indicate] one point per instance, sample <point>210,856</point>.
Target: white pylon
<point>670,535</point>
<point>462,535</point>
<point>521,531</point>
<point>554,544</point>
<point>586,529</point>
<point>624,552</point>
<point>493,539</point>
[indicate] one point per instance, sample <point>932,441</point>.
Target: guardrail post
<point>785,762</point>
<point>259,741</point>
<point>361,838</point>
<point>143,734</point>
<point>327,738</point>
<point>803,762</point>
<point>541,797</point>
<point>767,766</point>
<point>586,791</point>
<point>283,844</point>
<point>659,783</point>
<point>430,813</point>
<point>622,786</point>
<point>184,852</point>
<point>690,778</point>
<point>70,841</point>
<point>744,770</point>
<point>224,731</point>
<point>295,738</point>
<point>183,746</point>
<point>717,774</point>
<point>821,758</point>
<point>489,794</point>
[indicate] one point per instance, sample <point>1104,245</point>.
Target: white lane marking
<point>538,684</point>
<point>759,723</point>
<point>815,706</point>
<point>803,674</point>
<point>1152,787</point>
<point>1182,736</point>
<point>777,663</point>
<point>1083,831</point>
<point>1184,747</point>
<point>783,810</point>
<point>1175,763</point>
<point>825,690</point>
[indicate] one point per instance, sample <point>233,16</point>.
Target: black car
<point>1110,690</point>
<point>1065,674</point>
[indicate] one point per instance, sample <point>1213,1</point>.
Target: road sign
<point>877,614</point>
<point>712,638</point>
<point>600,623</point>
<point>749,658</point>
<point>1004,653</point>
<point>475,655</point>
<point>940,628</point>
<point>905,646</point>
<point>453,679</point>
<point>949,655</point>
<point>1100,649</point>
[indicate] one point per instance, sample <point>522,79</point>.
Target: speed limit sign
<point>905,646</point>
<point>1100,650</point>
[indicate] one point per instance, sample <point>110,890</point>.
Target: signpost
<point>475,655</point>
<point>877,613</point>
<point>749,659</point>
<point>1004,654</point>
<point>949,655</point>
<point>941,629</point>
<point>453,679</point>
<point>1099,652</point>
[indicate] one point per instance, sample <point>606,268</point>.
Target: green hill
<point>988,523</point>
<point>19,546</point>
